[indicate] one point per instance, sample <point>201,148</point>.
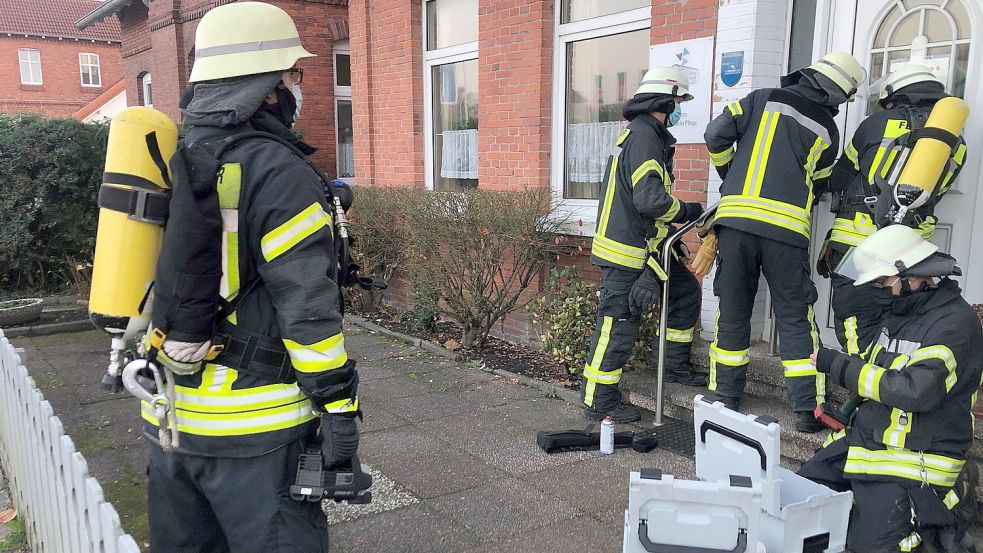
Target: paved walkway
<point>453,449</point>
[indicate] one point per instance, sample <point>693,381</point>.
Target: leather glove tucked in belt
<point>646,291</point>
<point>688,211</point>
<point>339,439</point>
<point>183,358</point>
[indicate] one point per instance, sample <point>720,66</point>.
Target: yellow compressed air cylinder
<point>127,245</point>
<point>930,156</point>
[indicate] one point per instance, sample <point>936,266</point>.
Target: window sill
<point>91,87</point>
<point>32,87</point>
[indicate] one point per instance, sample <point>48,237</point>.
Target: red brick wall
<point>515,69</point>
<point>161,41</point>
<point>61,93</point>
<point>515,61</point>
<point>672,21</point>
<point>387,91</point>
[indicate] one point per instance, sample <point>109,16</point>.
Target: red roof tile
<point>54,18</point>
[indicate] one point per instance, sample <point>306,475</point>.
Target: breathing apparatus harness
<point>249,353</point>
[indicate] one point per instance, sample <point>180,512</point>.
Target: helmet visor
<point>868,262</point>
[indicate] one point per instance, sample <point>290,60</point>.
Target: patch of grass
<point>129,496</point>
<point>17,539</point>
<point>90,439</point>
<point>475,365</point>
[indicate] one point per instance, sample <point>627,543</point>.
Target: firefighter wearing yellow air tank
<point>246,416</point>
<point>859,183</point>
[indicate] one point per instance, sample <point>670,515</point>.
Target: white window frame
<point>581,213</point>
<point>89,64</point>
<point>341,94</point>
<point>21,61</point>
<point>432,58</point>
<point>147,79</point>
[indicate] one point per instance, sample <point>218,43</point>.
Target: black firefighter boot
<point>607,402</point>
<point>806,421</point>
<point>687,377</point>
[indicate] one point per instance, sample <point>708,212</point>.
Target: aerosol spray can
<point>607,436</point>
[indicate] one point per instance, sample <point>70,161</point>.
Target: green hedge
<point>50,170</point>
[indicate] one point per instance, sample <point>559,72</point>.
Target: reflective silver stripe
<point>892,88</point>
<point>810,124</point>
<point>841,71</point>
<point>243,47</point>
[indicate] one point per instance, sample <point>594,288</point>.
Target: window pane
<point>880,40</point>
<point>958,79</point>
<point>601,73</point>
<point>451,22</point>
<point>906,32</point>
<point>803,31</point>
<point>937,27</point>
<point>958,12</point>
<point>343,69</point>
<point>575,10</point>
<point>346,140</point>
<point>455,125</point>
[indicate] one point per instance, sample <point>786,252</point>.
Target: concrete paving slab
<point>503,508</point>
<point>439,473</point>
<point>577,534</point>
<point>399,443</point>
<point>376,418</point>
<point>414,528</point>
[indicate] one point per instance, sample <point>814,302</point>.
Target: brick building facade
<point>46,64</point>
<point>507,93</point>
<point>158,53</point>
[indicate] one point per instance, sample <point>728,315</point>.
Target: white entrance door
<point>884,35</point>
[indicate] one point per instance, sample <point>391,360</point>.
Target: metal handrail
<point>664,310</point>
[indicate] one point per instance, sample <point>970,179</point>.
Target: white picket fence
<point>62,506</point>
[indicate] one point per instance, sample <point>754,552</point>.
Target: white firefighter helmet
<point>889,251</point>
<point>666,80</point>
<point>910,74</point>
<point>245,38</point>
<point>843,69</point>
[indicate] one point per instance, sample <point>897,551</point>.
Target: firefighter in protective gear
<point>634,217</point>
<point>786,143</point>
<point>907,97</point>
<point>245,417</point>
<point>904,454</point>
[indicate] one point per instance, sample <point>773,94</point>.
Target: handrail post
<point>664,309</point>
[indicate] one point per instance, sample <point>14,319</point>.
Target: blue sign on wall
<point>731,67</point>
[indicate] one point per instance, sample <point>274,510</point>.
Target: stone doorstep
<point>766,376</point>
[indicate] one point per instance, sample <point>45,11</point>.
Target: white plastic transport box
<point>743,501</point>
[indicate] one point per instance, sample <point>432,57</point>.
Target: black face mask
<point>882,297</point>
<point>284,108</point>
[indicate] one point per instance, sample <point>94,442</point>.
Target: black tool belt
<point>253,354</point>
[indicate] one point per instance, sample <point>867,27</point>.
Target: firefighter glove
<point>339,439</point>
<point>646,291</point>
<point>688,212</point>
<point>183,358</point>
<point>705,257</point>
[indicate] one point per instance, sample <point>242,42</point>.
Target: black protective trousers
<point>617,330</point>
<point>741,258</point>
<point>231,505</point>
<point>857,311</point>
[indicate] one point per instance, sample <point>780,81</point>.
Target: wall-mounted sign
<point>731,67</point>
<point>695,58</point>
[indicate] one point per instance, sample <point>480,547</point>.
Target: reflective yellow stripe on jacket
<point>215,409</point>
<point>765,210</point>
<point>939,470</point>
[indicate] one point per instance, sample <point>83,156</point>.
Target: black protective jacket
<point>276,232</point>
<point>871,152</point>
<point>637,205</point>
<point>786,144</point>
<point>920,379</point>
